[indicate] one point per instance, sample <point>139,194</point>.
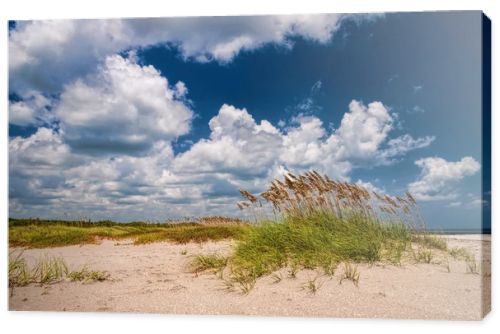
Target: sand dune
<point>153,279</point>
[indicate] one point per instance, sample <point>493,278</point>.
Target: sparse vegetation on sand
<point>430,241</point>
<point>198,233</point>
<point>302,222</point>
<point>423,255</point>
<point>313,285</point>
<point>47,270</point>
<point>350,273</point>
<point>318,223</point>
<point>52,233</point>
<point>85,274</point>
<point>213,262</point>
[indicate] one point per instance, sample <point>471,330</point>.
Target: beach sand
<point>154,278</point>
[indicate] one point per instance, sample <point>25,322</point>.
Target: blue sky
<point>167,118</point>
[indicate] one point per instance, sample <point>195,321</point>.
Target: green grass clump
<point>19,272</point>
<point>86,275</point>
<point>350,273</point>
<point>47,270</point>
<point>240,280</point>
<point>319,240</point>
<point>213,262</point>
<point>423,255</point>
<point>313,285</point>
<point>329,268</point>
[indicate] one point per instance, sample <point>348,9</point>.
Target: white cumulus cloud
<point>439,176</point>
<point>44,148</point>
<point>46,54</point>
<point>363,129</point>
<point>36,164</point>
<point>49,175</point>
<point>34,109</point>
<point>370,187</point>
<point>237,144</point>
<point>240,145</point>
<point>123,107</point>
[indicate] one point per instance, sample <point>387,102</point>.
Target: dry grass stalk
<point>301,195</point>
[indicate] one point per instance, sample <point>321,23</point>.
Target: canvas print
<point>323,165</point>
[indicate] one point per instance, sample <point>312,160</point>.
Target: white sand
<point>153,278</point>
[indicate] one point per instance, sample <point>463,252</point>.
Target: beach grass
<point>318,223</point>
<point>47,270</point>
<point>313,285</point>
<point>85,274</point>
<point>423,255</point>
<point>47,233</point>
<point>350,273</point>
<point>459,253</point>
<point>306,221</point>
<point>318,241</point>
<point>430,241</point>
<point>184,234</point>
<point>211,262</point>
<point>19,272</point>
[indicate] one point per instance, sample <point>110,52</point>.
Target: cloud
<point>362,130</point>
<point>36,164</point>
<point>48,179</point>
<point>416,110</point>
<point>240,145</point>
<point>401,145</point>
<point>370,187</point>
<point>438,177</point>
<point>121,177</point>
<point>237,144</point>
<point>21,113</point>
<point>307,105</point>
<point>471,203</point>
<point>417,88</point>
<point>392,78</point>
<point>476,203</point>
<point>33,110</point>
<point>109,150</point>
<point>124,107</point>
<point>317,86</point>
<point>49,175</point>
<point>43,149</point>
<point>302,144</point>
<point>44,55</point>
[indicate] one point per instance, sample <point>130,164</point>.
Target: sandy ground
<point>153,279</point>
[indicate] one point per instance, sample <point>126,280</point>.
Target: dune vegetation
<point>36,233</point>
<point>47,270</point>
<point>312,222</point>
<point>301,222</point>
